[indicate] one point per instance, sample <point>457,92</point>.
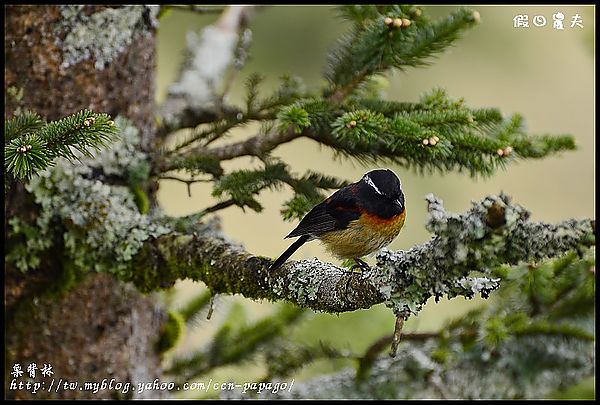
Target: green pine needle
<point>32,145</point>
<point>24,156</point>
<point>20,125</point>
<point>389,37</point>
<point>243,185</point>
<point>80,132</point>
<point>293,116</point>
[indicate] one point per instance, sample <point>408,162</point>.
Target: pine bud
<point>388,21</point>
<point>425,142</point>
<point>397,22</point>
<point>416,12</point>
<point>500,152</point>
<point>437,139</point>
<point>351,124</point>
<point>508,150</point>
<point>432,141</point>
<point>89,121</point>
<point>406,22</point>
<point>111,123</point>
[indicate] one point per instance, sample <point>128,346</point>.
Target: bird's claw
<point>361,265</point>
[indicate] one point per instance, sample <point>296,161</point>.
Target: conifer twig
<point>397,334</point>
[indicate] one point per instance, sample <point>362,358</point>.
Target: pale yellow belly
<point>362,237</point>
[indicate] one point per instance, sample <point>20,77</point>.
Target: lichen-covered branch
<point>534,339</point>
<point>192,99</point>
<point>226,268</point>
<point>528,367</point>
<point>492,233</point>
<point>116,238</point>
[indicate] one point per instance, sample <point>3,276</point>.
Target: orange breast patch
<point>378,222</point>
<point>363,236</point>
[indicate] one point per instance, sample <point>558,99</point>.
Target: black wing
<point>335,213</point>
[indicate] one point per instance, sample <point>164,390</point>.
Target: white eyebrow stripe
<point>370,183</point>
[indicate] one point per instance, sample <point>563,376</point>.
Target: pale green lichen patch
<point>304,280</point>
<point>492,233</point>
<point>103,35</point>
<point>103,229</point>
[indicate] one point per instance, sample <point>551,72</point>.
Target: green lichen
<point>103,228</point>
<point>36,239</point>
<point>492,233</point>
<point>15,94</point>
<point>171,332</point>
<point>141,199</point>
<point>102,35</point>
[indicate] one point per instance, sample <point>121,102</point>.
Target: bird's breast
<point>363,236</point>
<point>387,227</point>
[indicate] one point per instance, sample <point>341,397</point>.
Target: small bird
<point>356,220</point>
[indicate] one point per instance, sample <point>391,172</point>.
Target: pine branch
<point>255,146</point>
<point>283,358</point>
<point>435,134</point>
<point>243,185</point>
<point>196,164</point>
<point>190,116</point>
<point>21,125</point>
<point>391,38</point>
<point>307,193</point>
<point>26,155</point>
<point>34,145</point>
<point>81,132</point>
<point>217,207</point>
<point>530,367</point>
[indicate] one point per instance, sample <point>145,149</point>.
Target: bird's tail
<point>288,252</point>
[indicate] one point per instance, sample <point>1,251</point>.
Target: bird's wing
<point>335,213</point>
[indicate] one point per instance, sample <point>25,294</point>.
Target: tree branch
<point>404,280</point>
<point>257,145</point>
<point>552,363</point>
<point>192,99</point>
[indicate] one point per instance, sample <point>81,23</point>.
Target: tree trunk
<point>59,60</point>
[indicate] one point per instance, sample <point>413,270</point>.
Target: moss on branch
<point>227,268</point>
<point>404,280</point>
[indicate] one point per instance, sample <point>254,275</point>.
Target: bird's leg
<point>360,265</point>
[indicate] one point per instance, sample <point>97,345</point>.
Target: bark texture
<point>59,60</point>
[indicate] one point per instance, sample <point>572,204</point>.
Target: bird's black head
<point>385,183</point>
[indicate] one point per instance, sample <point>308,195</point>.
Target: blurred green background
<point>545,74</point>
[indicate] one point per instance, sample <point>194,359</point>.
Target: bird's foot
<point>360,265</point>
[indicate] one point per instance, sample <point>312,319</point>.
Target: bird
<point>355,221</point>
